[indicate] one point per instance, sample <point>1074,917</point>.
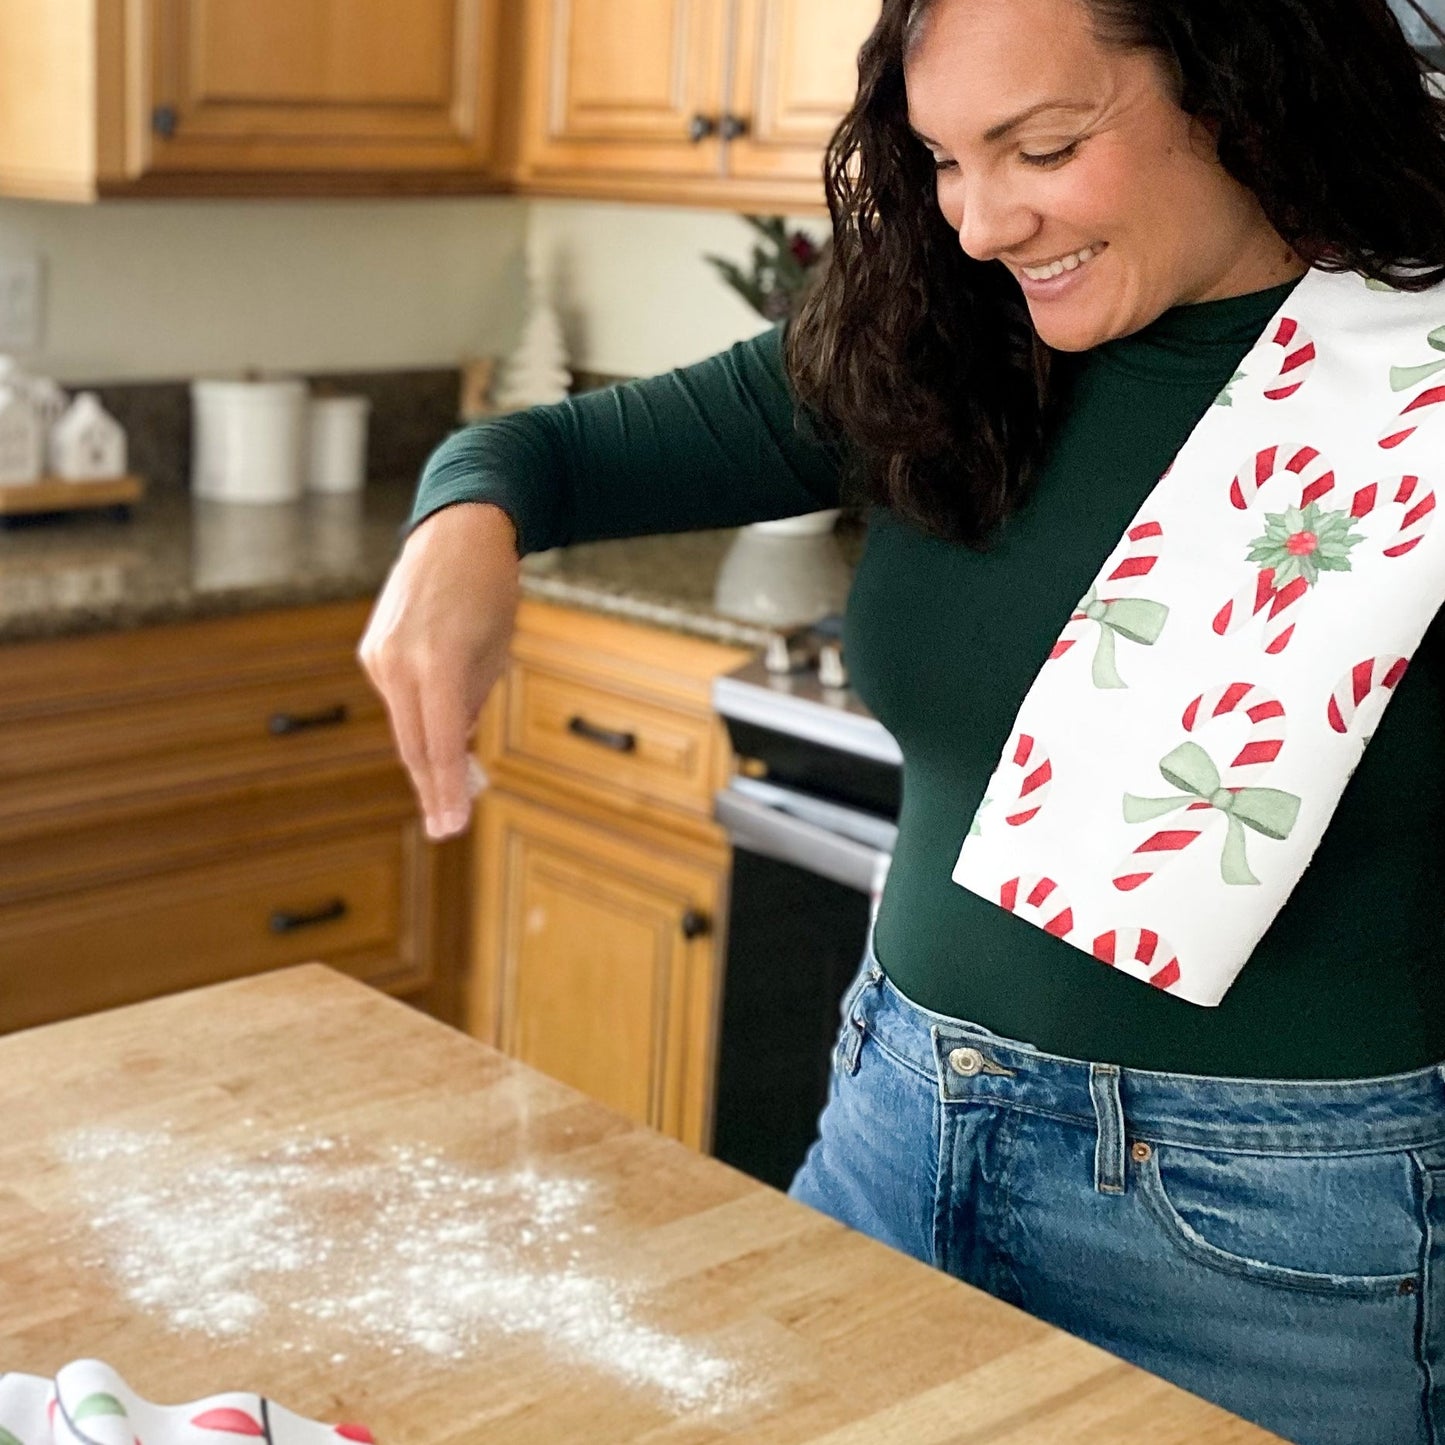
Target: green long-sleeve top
<point>943,643</point>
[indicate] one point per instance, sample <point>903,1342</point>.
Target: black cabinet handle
<point>603,737</point>
<point>163,121</point>
<point>695,924</point>
<point>283,921</point>
<point>700,127</point>
<point>733,127</point>
<point>284,723</point>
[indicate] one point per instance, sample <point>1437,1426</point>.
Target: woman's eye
<point>942,163</point>
<point>1053,158</point>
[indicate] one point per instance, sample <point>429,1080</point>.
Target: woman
<point>1061,229</point>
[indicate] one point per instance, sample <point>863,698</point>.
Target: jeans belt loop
<point>854,1047</point>
<point>1109,1113</point>
<point>856,1022</point>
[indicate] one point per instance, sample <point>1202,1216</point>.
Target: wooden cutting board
<point>624,1289</point>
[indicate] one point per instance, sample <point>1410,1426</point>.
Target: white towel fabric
<point>1180,754</point>
<point>87,1403</point>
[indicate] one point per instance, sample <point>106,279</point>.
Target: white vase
<point>783,580</point>
<point>810,524</point>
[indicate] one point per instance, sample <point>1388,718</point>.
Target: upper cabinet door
<point>620,86</point>
<point>795,73</point>
<point>311,85</point>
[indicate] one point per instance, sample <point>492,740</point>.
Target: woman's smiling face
<point>1057,153</point>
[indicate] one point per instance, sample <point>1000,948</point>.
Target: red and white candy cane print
<point>1033,773</point>
<point>1262,746</point>
<point>1022,778</point>
<point>1416,498</point>
<point>1308,473</point>
<point>1373,677</point>
<point>1297,361</point>
<point>1041,901</point>
<point>1310,477</point>
<point>1311,472</point>
<point>1139,559</point>
<point>1412,416</point>
<point>1139,952</point>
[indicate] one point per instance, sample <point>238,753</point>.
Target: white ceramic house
<point>49,401</point>
<point>87,442</point>
<point>22,442</point>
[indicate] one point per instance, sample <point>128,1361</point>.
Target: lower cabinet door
<point>596,961</point>
<point>358,902</point>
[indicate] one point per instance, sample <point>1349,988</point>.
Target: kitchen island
<point>293,1184</point>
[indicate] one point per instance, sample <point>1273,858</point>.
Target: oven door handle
<point>787,839</point>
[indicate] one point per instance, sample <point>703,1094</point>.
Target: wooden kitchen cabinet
<point>600,892</point>
<point>197,97</point>
<point>185,804</point>
<point>727,102</point>
<point>601,955</point>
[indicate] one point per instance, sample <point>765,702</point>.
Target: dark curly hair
<point>925,362</point>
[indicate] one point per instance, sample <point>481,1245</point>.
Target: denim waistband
<point>971,1063</point>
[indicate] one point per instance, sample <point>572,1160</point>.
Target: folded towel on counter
<point>87,1403</point>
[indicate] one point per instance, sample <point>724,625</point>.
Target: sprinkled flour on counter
<point>333,1248</point>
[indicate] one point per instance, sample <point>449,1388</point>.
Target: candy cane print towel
<point>1179,756</point>
<point>87,1403</point>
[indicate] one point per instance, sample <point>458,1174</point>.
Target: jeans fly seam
<point>1004,1251</point>
<point>1424,1315</point>
<point>943,1191</point>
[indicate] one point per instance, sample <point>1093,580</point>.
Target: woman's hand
<point>437,642</point>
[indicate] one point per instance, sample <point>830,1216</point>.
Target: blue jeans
<point>1277,1247</point>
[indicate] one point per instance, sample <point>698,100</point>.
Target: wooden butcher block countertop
<point>296,1185</point>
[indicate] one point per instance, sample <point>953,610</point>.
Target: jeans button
<point>965,1061</point>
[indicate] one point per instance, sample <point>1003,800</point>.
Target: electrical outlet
<point>22,289</point>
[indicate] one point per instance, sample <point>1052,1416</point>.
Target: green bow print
<point>1132,618</point>
<point>1402,378</point>
<point>1266,810</point>
<point>975,830</point>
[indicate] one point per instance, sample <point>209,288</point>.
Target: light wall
<point>632,284</point>
<point>170,289</point>
<point>141,290</point>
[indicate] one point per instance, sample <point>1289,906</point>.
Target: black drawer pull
<point>283,921</point>
<point>700,127</point>
<point>283,724</point>
<point>603,737</point>
<point>696,924</point>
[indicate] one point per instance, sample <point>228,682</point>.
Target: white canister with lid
<point>248,439</point>
<point>336,451</point>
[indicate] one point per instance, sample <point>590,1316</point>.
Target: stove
<point>793,718</point>
<point>812,819</point>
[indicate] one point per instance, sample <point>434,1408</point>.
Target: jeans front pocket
<point>1341,1224</point>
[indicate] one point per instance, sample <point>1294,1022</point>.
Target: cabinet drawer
<point>610,740</point>
<point>353,902</point>
<point>613,713</point>
<point>97,754</point>
<point>183,711</point>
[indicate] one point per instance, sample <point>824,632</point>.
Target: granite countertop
<point>179,559</point>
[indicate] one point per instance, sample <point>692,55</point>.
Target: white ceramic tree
<point>536,372</point>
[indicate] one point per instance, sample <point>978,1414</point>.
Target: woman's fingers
<point>407,731</point>
<point>436,642</point>
<point>446,727</point>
